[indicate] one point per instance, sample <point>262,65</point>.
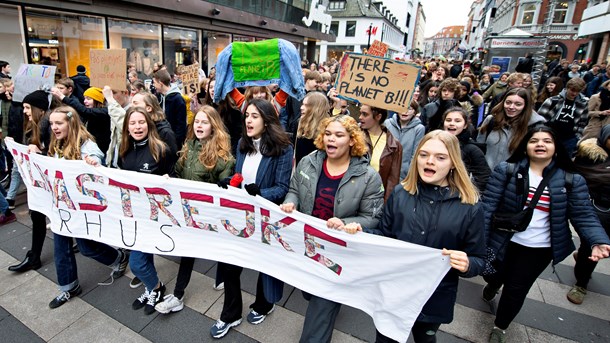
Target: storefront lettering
<point>316,13</point>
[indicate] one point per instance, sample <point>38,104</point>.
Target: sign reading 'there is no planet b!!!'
<point>377,81</point>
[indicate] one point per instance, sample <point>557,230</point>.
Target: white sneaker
<point>169,304</point>
<point>219,287</point>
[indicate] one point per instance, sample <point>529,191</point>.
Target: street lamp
<point>370,30</point>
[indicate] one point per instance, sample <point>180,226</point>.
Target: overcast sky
<point>441,13</point>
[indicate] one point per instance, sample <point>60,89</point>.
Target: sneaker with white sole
<point>64,297</point>
<point>220,329</point>
<point>170,303</point>
<point>119,269</point>
<point>135,282</point>
<point>256,318</point>
<point>140,301</point>
<point>154,297</point>
<point>219,287</point>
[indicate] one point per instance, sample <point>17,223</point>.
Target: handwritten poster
<point>108,68</point>
<point>376,81</point>
<point>378,49</point>
<point>190,78</point>
<point>32,77</point>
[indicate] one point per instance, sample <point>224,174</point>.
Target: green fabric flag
<point>255,61</point>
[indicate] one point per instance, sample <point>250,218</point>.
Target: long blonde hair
<point>317,109</point>
<point>218,145</point>
<point>459,180</point>
<point>158,148</point>
<point>69,148</point>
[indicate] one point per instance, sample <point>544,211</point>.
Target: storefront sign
<point>190,78</point>
<point>517,43</point>
<point>378,49</point>
<point>186,218</point>
<point>32,77</point>
<point>317,14</point>
<point>377,81</point>
<point>108,67</point>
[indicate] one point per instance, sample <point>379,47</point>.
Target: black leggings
<point>421,332</point>
<point>521,267</point>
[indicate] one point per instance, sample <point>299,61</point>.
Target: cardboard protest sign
<point>32,77</point>
<point>256,60</point>
<point>378,49</point>
<point>190,78</point>
<point>376,81</point>
<point>108,68</point>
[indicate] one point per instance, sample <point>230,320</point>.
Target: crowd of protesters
<point>472,145</point>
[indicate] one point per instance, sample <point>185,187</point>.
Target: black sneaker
<point>119,270</point>
<point>154,297</point>
<point>11,204</point>
<point>64,297</point>
<point>135,282</point>
<point>490,292</point>
<point>141,301</point>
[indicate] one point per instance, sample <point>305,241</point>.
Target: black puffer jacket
<point>474,159</point>
<point>96,120</point>
<point>438,219</point>
<point>167,135</point>
<point>503,195</point>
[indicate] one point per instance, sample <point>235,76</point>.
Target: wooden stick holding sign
<point>377,81</point>
<point>108,68</point>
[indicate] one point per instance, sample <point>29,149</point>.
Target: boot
<point>30,262</point>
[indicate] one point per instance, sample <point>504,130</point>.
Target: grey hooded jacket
<point>408,136</point>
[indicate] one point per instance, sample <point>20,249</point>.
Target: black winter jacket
<point>438,219</point>
<point>474,160</point>
<point>167,135</point>
<point>96,120</point>
<point>139,159</point>
<point>502,195</point>
<point>81,84</point>
<point>15,121</point>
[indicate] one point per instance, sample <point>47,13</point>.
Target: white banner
<point>387,278</point>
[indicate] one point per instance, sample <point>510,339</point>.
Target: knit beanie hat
<point>95,94</point>
<point>38,99</point>
<point>466,84</point>
<point>81,69</point>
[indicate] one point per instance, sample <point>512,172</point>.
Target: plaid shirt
<point>551,108</point>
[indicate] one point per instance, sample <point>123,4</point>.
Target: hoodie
<point>408,136</point>
<point>174,108</point>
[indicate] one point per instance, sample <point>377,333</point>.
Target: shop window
<point>180,47</point>
<point>9,34</point>
<point>528,13</point>
<point>561,12</point>
<point>142,42</point>
<point>63,39</point>
<point>216,41</point>
<point>350,29</point>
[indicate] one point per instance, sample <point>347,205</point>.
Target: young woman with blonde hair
<point>205,157</point>
<point>315,108</point>
<point>437,206</point>
<point>143,151</point>
<point>71,141</point>
<point>338,169</point>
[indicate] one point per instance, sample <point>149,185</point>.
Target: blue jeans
<point>15,182</point>
<point>65,262</point>
<point>143,267</point>
<point>3,203</point>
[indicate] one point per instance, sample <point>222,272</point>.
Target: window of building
<point>336,5</point>
<point>561,12</point>
<point>10,33</point>
<point>142,41</point>
<point>529,11</point>
<point>180,47</point>
<point>63,39</point>
<point>334,28</point>
<point>350,29</point>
